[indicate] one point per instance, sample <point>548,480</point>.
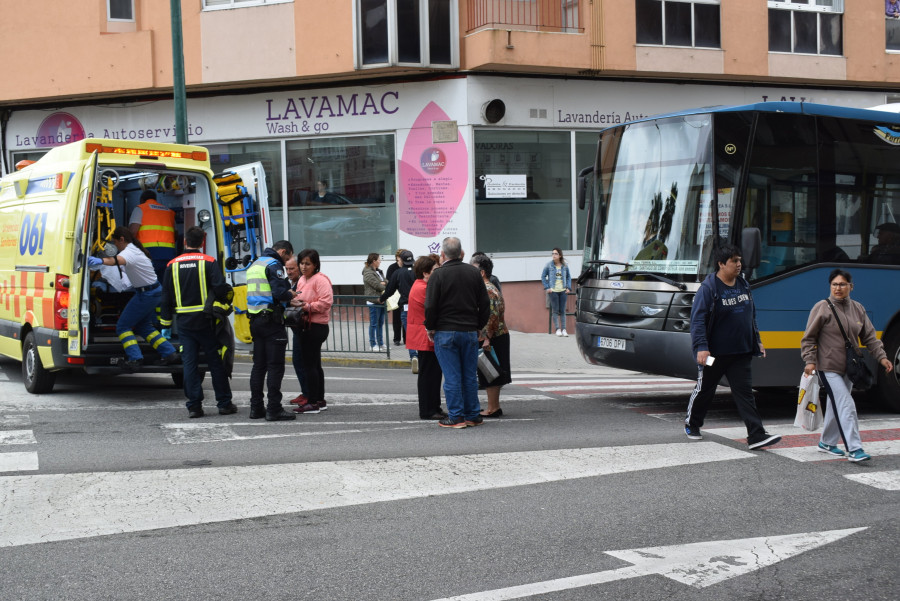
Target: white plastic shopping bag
<point>809,411</point>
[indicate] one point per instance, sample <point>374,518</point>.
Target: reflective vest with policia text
<point>157,225</point>
<point>191,288</point>
<point>259,292</point>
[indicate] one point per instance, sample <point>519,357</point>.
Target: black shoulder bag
<point>856,368</point>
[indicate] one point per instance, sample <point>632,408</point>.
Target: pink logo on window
<point>60,128</point>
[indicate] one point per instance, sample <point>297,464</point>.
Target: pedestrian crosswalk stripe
<point>10,437</point>
<point>192,433</point>
<point>882,480</point>
<point>16,462</point>
<point>32,507</point>
<point>7,421</point>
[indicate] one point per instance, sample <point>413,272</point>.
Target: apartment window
<point>407,32</point>
<point>239,3</point>
<point>806,27</point>
<point>120,10</point>
<point>668,23</point>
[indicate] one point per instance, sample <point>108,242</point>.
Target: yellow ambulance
<point>55,314</point>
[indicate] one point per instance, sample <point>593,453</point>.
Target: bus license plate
<point>617,344</point>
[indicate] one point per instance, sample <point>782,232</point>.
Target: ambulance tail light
<point>61,303</point>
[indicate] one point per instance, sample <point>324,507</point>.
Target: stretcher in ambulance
<point>55,313</point>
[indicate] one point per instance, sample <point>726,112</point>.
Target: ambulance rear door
<point>80,280</point>
<point>243,211</point>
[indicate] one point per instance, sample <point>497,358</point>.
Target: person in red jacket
<point>429,382</point>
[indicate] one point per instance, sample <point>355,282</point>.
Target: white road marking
<point>191,433</point>
<point>601,386</point>
<point>697,564</point>
<point>42,508</point>
<point>7,421</point>
<point>789,429</point>
<point>10,437</point>
<point>17,462</point>
<point>874,448</point>
<point>882,480</point>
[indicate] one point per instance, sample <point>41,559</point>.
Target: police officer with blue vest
<point>268,293</point>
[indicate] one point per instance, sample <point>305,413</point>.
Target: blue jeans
<point>376,325</point>
<point>192,342</point>
<point>137,319</point>
<point>457,353</point>
<point>412,353</point>
<point>558,309</point>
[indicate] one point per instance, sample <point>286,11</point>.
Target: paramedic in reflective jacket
<point>268,292</point>
<point>188,281</point>
<point>153,224</point>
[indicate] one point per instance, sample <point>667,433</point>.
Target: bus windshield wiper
<point>661,278</point>
<point>604,274</point>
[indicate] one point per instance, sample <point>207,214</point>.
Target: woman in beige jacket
<point>822,348</point>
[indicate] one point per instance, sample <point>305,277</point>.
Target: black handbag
<point>295,317</point>
<point>856,368</point>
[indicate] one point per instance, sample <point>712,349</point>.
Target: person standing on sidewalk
<point>293,273</point>
<point>189,280</point>
<point>725,338</point>
<point>557,283</point>
<point>402,281</point>
<point>428,384</point>
<point>399,331</point>
<point>268,292</point>
<point>457,307</point>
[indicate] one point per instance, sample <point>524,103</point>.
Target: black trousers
<point>737,369</point>
<point>397,320</point>
<point>429,384</point>
<point>311,342</point>
<point>269,348</point>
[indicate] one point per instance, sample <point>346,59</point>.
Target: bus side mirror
<point>582,192</point>
<point>751,243</point>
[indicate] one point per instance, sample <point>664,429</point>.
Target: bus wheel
<point>889,384</point>
<point>37,379</point>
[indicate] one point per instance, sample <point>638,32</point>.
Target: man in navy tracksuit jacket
<point>724,332</point>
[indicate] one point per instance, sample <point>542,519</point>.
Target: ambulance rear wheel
<point>37,379</point>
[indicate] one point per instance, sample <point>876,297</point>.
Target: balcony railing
<point>537,15</point>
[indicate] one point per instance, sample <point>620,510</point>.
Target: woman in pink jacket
<point>314,297</point>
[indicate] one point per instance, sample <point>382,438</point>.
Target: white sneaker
<point>566,334</point>
<point>559,332</point>
<point>374,349</point>
<point>380,348</point>
<point>415,365</point>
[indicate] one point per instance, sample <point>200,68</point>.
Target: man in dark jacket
<point>189,281</point>
<point>725,338</point>
<point>402,279</point>
<point>457,307</point>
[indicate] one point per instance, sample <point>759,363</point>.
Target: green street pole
<point>181,134</point>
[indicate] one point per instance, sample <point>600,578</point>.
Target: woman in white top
<point>139,315</point>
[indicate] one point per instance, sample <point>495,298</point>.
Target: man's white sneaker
<point>564,333</point>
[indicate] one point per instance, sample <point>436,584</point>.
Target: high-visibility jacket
<point>157,225</point>
<point>189,282</point>
<point>259,291</point>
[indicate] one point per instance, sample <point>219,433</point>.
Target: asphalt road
<point>132,500</point>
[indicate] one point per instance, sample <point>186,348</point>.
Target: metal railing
<point>543,15</point>
<point>349,327</point>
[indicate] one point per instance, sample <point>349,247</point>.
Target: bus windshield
<point>654,198</point>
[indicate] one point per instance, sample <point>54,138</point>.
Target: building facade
<point>386,124</point>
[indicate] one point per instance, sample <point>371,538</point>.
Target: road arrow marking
<point>51,507</point>
<point>695,564</point>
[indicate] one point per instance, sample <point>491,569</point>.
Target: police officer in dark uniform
<point>268,292</point>
<point>189,280</point>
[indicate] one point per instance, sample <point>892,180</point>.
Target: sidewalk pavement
<point>529,353</point>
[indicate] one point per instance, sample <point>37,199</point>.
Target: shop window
<point>669,23</point>
<point>224,156</point>
<point>120,10</point>
<point>341,195</point>
<point>535,211</point>
<point>407,32</point>
<point>892,25</point>
<point>806,27</point>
